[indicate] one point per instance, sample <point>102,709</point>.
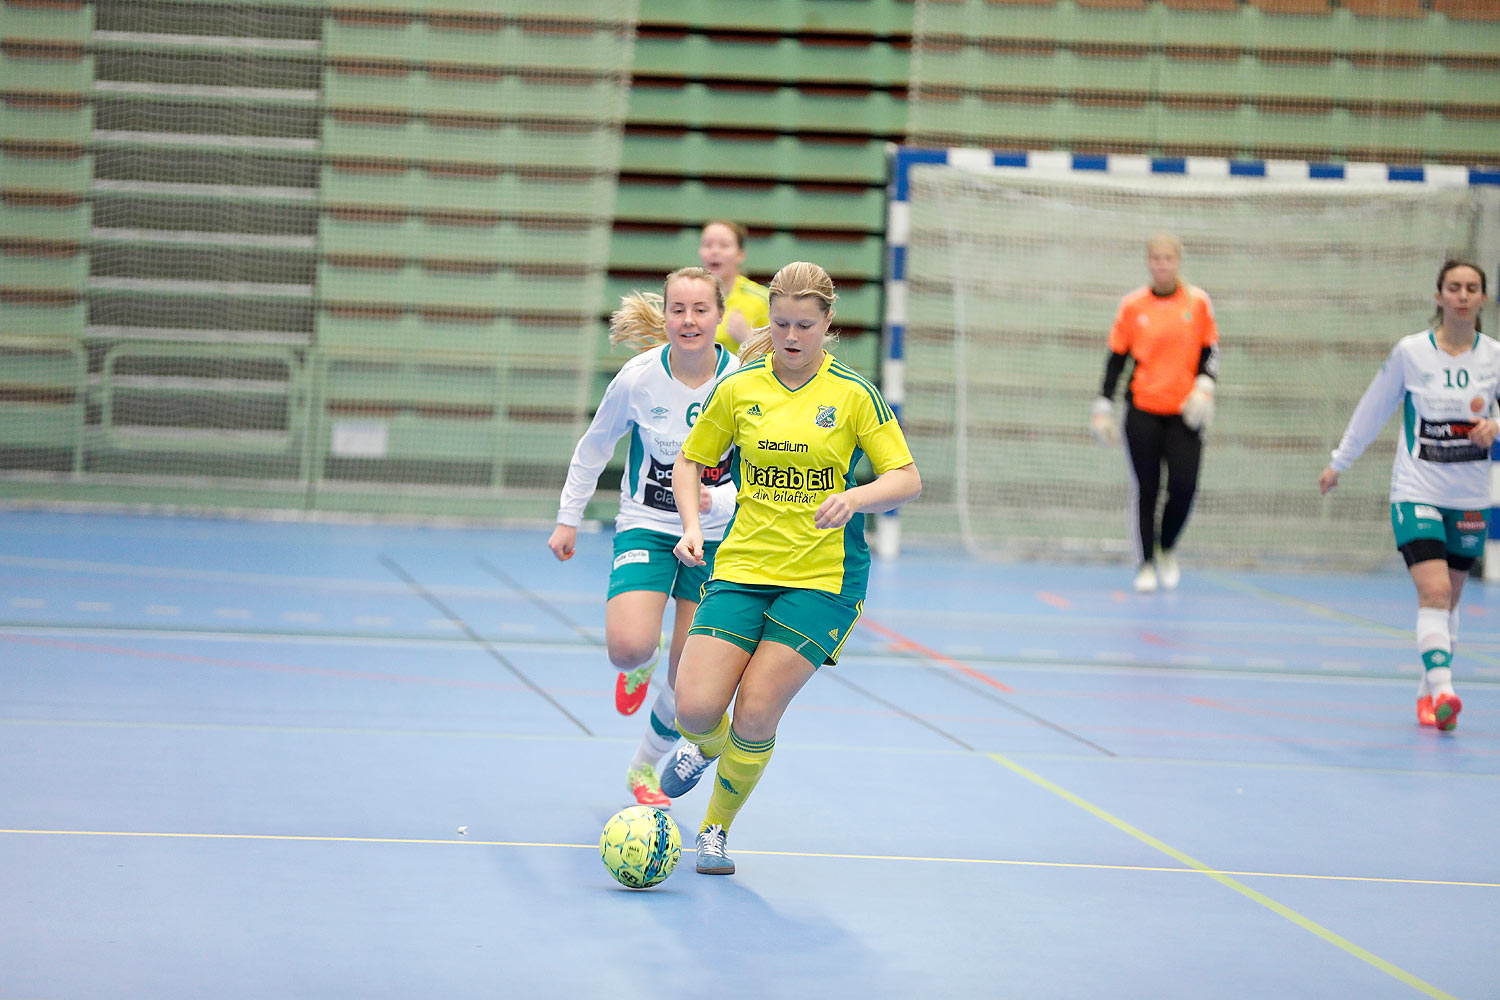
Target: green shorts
<point>644,561</point>
<point>814,623</point>
<point>1461,531</point>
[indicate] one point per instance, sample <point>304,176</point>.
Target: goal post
<point>1004,274</point>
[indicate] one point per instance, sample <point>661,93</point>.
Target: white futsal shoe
<point>1168,573</point>
<point>1145,579</point>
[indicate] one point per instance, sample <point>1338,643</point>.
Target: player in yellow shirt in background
<point>790,577</point>
<point>721,251</point>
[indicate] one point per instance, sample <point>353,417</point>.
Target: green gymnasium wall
<point>357,256</point>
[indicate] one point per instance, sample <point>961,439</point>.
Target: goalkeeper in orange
<point>1167,328</point>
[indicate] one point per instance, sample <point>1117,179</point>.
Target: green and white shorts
<point>644,561</point>
<point>1461,532</point>
<point>814,623</point>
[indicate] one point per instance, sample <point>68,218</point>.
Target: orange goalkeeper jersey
<point>1166,335</point>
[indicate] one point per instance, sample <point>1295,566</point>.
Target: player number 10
<point>1462,379</point>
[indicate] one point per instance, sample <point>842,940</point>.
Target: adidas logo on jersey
<point>754,410</point>
<point>833,633</point>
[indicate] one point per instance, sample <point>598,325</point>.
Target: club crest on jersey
<point>754,410</point>
<point>825,417</point>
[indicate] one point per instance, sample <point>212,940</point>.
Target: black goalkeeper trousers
<point>1151,442</point>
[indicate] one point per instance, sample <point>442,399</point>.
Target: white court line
<point>461,841</point>
<point>163,609</point>
<point>876,749</point>
<point>1053,662</point>
<point>33,603</point>
<point>93,606</point>
<point>1070,622</point>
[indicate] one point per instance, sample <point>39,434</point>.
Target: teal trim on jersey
<point>854,458</point>
<point>1432,339</point>
<point>723,359</point>
<point>856,549</point>
<point>633,463</point>
<point>882,411</point>
<point>879,401</point>
<point>788,388</point>
<point>734,476</point>
<point>757,365</point>
<point>848,372</point>
<point>1409,423</point>
<point>856,560</point>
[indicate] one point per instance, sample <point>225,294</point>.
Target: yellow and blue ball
<point>640,846</point>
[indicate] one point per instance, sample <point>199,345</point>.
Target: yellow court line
<point>1225,879</point>
<point>462,841</point>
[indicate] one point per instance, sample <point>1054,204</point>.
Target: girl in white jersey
<point>1447,379</point>
<point>656,397</point>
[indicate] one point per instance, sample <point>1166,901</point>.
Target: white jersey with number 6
<point>657,410</point>
<point>1441,396</point>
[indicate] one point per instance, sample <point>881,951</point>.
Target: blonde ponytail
<point>758,346</point>
<point>639,323</point>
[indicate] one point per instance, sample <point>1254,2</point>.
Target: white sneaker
<point>1167,571</point>
<point>1145,579</point>
<point>712,857</point>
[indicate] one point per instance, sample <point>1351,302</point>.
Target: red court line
<point>901,642</point>
<point>1053,599</point>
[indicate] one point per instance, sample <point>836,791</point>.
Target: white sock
<point>1436,649</point>
<point>661,730</point>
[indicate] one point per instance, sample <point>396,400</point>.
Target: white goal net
<point>1013,277</point>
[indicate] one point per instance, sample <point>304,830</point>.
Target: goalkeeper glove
<point>1198,408</point>
<point>1102,422</point>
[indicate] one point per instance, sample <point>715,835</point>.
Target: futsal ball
<point>640,846</point>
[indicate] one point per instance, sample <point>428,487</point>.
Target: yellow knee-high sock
<point>740,768</point>
<point>712,742</point>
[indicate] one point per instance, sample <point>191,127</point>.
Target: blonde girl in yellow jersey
<point>790,576</point>
<point>721,251</point>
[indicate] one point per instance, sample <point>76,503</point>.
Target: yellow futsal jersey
<point>749,300</point>
<point>793,448</point>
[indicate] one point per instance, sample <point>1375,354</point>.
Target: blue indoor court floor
<point>281,759</point>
